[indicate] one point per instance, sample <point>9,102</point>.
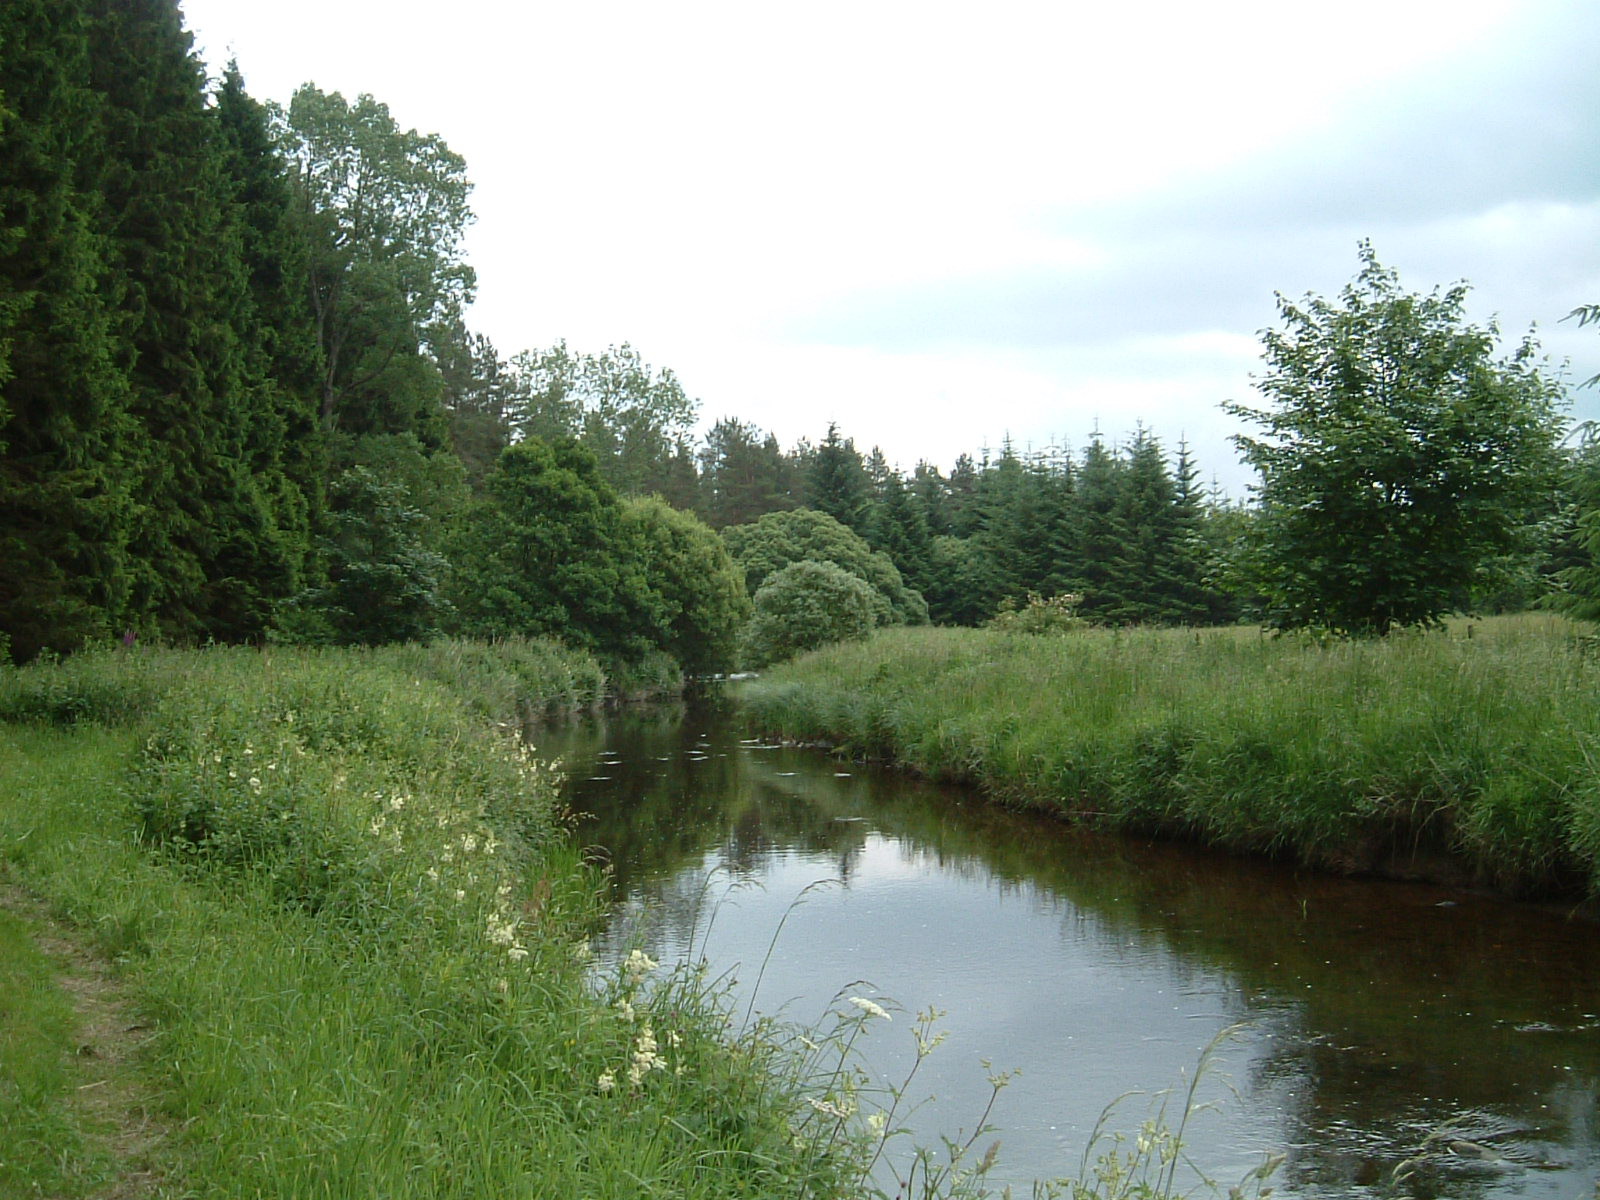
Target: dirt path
<point>117,1108</point>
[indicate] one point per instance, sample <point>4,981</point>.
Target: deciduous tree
<point>1400,455</point>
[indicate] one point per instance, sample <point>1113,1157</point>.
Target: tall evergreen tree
<point>65,479</point>
<point>837,481</point>
<point>206,552</point>
<point>743,475</point>
<point>898,527</point>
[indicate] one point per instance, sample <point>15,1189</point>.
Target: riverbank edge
<point>561,1072</point>
<point>974,708</point>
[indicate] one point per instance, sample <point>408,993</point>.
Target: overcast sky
<point>942,224</point>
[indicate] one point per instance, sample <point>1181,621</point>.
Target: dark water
<point>1382,1022</point>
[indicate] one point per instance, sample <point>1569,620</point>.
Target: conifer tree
<point>837,482</point>
<point>65,481</point>
<point>743,475</point>
<point>1100,533</point>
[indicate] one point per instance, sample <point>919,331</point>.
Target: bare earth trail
<point>115,1107</point>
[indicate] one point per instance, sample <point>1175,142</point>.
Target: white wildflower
<point>638,965</point>
<point>517,953</point>
<point>607,1081</point>
<point>871,1008</point>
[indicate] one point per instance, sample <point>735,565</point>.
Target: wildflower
<point>827,1107</point>
<point>469,843</point>
<point>607,1081</point>
<point>433,874</point>
<point>500,931</point>
<point>645,1058</point>
<point>396,803</point>
<point>255,783</point>
<point>583,952</point>
<point>638,965</point>
<point>674,1038</point>
<point>460,894</point>
<point>626,1009</point>
<point>377,824</point>
<point>517,953</point>
<point>871,1008</point>
<point>876,1122</point>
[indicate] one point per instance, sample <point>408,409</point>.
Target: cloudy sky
<point>942,224</point>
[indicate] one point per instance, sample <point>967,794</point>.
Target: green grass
<point>44,1151</point>
<point>1472,752</point>
<point>345,905</point>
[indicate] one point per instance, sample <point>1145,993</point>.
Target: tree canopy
<point>1401,461</point>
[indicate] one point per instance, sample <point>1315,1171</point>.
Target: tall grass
<point>347,908</point>
<point>1473,751</point>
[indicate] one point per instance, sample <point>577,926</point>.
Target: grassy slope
<point>1469,751</point>
<point>349,915</point>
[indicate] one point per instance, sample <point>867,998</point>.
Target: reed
<point>1466,753</point>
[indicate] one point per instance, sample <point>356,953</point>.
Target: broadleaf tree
<point>1400,459</point>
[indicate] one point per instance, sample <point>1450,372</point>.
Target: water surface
<point>1381,1022</point>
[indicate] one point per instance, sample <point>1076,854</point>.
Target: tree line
<point>240,401</point>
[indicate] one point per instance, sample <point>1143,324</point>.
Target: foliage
<point>1579,576</point>
<point>1400,459</point>
<point>1049,615</point>
<point>386,210</point>
<point>836,481</point>
<point>743,475</point>
<point>547,553</point>
<point>384,583</point>
<point>633,418</point>
<point>778,539</point>
<point>701,593</point>
<point>805,605</point>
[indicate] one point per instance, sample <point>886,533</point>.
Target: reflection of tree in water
<point>1390,1011</point>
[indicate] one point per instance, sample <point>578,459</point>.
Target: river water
<point>1374,1023</point>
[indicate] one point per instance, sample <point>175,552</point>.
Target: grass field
<point>1471,753</point>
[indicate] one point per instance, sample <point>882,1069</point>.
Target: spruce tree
<point>201,525</point>
<point>65,505</point>
<point>837,481</point>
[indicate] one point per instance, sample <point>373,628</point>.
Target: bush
<point>806,605</point>
<point>1040,615</point>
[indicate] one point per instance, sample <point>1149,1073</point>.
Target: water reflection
<point>1386,1021</point>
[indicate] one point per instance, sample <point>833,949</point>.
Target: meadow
<point>1469,754</point>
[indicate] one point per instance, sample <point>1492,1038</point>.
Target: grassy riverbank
<point>345,912</point>
<point>1468,754</point>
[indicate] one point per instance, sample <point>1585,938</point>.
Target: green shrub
<point>803,606</point>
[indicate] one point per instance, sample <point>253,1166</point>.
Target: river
<point>1373,1023</point>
